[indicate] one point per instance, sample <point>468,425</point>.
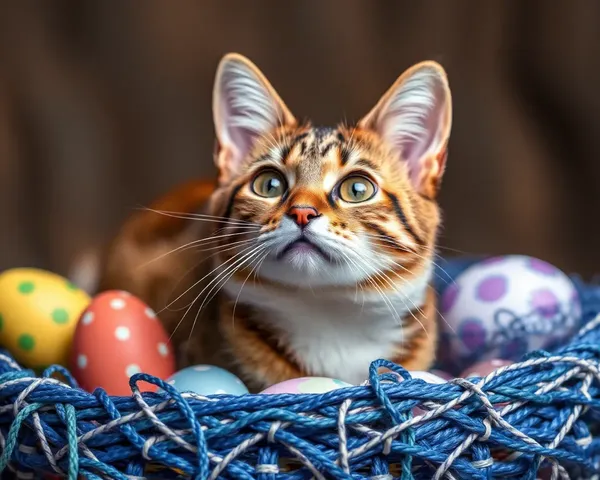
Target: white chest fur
<point>339,335</point>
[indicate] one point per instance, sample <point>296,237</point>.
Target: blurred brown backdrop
<point>106,104</point>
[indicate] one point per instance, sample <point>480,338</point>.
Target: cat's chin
<point>304,260</point>
<point>309,269</point>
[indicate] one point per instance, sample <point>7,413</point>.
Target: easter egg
<point>485,367</point>
<point>306,385</point>
<point>441,374</point>
<point>38,316</point>
<point>118,336</point>
<point>428,377</point>
<point>207,380</point>
<point>504,307</point>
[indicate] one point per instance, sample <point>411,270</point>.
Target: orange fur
<point>399,224</point>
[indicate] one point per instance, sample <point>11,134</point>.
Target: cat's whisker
<point>236,229</point>
<point>420,311</point>
<point>204,278</point>
<point>390,242</point>
<point>191,304</point>
<point>381,275</point>
<point>203,217</point>
<point>226,248</point>
<point>254,269</point>
<point>357,286</point>
<point>386,300</point>
<point>412,253</point>
<point>229,275</point>
<point>216,282</point>
<point>439,267</point>
<point>191,244</point>
<point>404,297</point>
<point>192,215</point>
<point>381,238</point>
<point>259,266</point>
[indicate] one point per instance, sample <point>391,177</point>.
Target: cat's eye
<point>356,189</point>
<point>269,184</point>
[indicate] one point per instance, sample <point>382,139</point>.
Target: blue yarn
<point>305,426</point>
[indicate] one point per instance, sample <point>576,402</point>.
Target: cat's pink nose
<point>302,215</point>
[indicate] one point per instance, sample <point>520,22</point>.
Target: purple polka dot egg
<point>504,307</point>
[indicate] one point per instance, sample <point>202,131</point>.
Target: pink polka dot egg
<point>504,307</point>
<point>485,367</point>
<point>306,385</point>
<point>116,337</point>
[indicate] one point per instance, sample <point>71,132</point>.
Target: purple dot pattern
<point>539,266</point>
<point>506,306</point>
<point>492,288</point>
<point>545,302</point>
<point>472,334</point>
<point>449,297</point>
<point>514,348</point>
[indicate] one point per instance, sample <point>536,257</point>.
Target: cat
<point>312,252</point>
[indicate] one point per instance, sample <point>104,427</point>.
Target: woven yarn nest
<point>539,418</point>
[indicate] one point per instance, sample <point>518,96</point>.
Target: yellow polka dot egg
<point>39,311</point>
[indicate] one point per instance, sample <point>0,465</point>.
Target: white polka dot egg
<point>118,336</point>
<point>504,307</point>
<point>207,380</point>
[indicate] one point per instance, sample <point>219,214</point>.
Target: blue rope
<point>295,437</point>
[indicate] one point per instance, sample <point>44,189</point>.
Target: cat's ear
<point>414,117</point>
<point>245,107</point>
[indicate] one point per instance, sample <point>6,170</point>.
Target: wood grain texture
<point>104,106</point>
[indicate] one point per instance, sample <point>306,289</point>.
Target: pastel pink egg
<point>306,385</point>
<point>116,337</point>
<point>429,377</point>
<point>444,375</point>
<point>484,368</point>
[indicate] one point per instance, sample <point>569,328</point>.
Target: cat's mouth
<point>302,246</point>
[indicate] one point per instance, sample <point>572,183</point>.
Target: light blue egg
<point>207,380</point>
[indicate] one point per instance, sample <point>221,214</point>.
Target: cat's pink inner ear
<point>245,108</point>
<point>414,117</point>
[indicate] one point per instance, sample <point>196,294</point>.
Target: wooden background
<point>106,104</point>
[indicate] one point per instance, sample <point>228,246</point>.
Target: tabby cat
<point>312,252</point>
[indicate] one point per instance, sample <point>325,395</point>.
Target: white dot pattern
<point>201,368</point>
<point>117,304</point>
<point>132,369</point>
<point>163,349</point>
<point>82,361</point>
<point>87,318</point>
<point>150,313</point>
<point>122,333</point>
